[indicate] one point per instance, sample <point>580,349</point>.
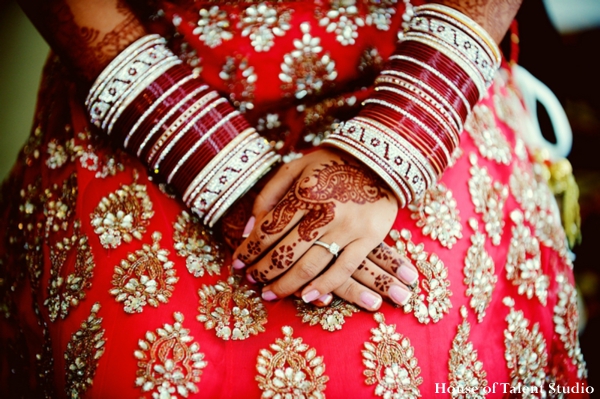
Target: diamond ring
<point>333,248</point>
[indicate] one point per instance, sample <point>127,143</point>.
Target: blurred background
<point>559,44</point>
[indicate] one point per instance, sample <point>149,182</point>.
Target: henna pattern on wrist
<point>335,182</point>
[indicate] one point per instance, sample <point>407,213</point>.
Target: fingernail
<point>326,299</point>
<point>238,264</point>
<point>371,301</point>
<point>399,294</point>
<point>269,296</point>
<point>311,296</point>
<point>407,274</point>
<point>249,278</point>
<point>249,227</point>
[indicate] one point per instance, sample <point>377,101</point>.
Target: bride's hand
<point>323,198</point>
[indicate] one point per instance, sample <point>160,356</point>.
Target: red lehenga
<point>110,289</point>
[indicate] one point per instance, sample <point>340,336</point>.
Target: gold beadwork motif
<point>435,284</point>
<point>197,245</point>
<point>213,27</point>
<point>123,215</point>
<point>488,197</point>
<point>64,293</point>
<point>146,277</point>
<point>240,79</point>
<point>261,23</point>
<point>467,376</point>
<point>523,262</point>
<point>390,362</point>
<point>479,271</point>
<point>566,323</point>
<point>342,19</point>
<point>486,135</point>
<point>31,232</point>
<point>292,370</point>
<point>320,120</point>
<point>381,12</point>
<point>437,215</point>
<point>84,350</point>
<point>59,205</point>
<point>525,351</point>
<point>304,71</point>
<point>233,310</point>
<point>168,365</point>
<point>331,317</point>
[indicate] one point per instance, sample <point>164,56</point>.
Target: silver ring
<point>333,248</point>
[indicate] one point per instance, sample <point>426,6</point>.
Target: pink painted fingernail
<point>269,296</point>
<point>249,227</point>
<point>250,278</point>
<point>310,296</point>
<point>371,301</point>
<point>407,274</point>
<point>326,299</point>
<point>238,264</point>
<point>399,294</point>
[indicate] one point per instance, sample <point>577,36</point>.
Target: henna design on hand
<point>383,283</point>
<point>384,253</point>
<point>282,257</point>
<point>260,276</point>
<point>339,182</point>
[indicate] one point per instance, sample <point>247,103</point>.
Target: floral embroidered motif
<point>59,205</point>
<point>146,277</point>
<point>370,60</point>
<point>213,27</point>
<point>488,197</point>
<point>293,371</point>
<point>64,293</point>
<point>235,312</point>
<point>342,19</point>
<point>435,284</point>
<point>197,245</point>
<point>31,231</point>
<point>320,120</point>
<point>168,365</point>
<point>467,376</point>
<point>123,215</point>
<point>390,363</point>
<point>331,318</point>
<point>261,23</point>
<point>83,352</point>
<point>566,323</point>
<point>438,216</point>
<point>509,107</point>
<point>304,71</point>
<point>57,155</point>
<point>479,270</point>
<point>523,262</point>
<point>381,12</point>
<point>486,135</point>
<point>240,79</point>
<point>525,351</point>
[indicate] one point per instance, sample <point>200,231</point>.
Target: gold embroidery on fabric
<point>523,262</point>
<point>435,284</point>
<point>83,353</point>
<point>343,19</point>
<point>381,12</point>
<point>57,155</point>
<point>59,205</point>
<point>261,23</point>
<point>370,60</point>
<point>438,216</point>
<point>146,277</point>
<point>509,107</point>
<point>235,312</point>
<point>467,376</point>
<point>488,197</point>
<point>390,362</point>
<point>213,27</point>
<point>168,365</point>
<point>304,71</point>
<point>123,215</point>
<point>319,120</point>
<point>479,270</point>
<point>64,293</point>
<point>566,323</point>
<point>240,79</point>
<point>486,135</point>
<point>331,317</point>
<point>525,351</point>
<point>31,232</point>
<point>293,371</point>
<point>197,245</point>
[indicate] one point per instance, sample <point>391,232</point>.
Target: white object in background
<point>533,92</point>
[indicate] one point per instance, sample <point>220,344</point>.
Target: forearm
<point>87,34</point>
<point>495,16</point>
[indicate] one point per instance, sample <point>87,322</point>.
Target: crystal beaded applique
<point>331,317</point>
<point>168,364</point>
<point>146,277</point>
<point>233,310</point>
<point>486,135</point>
<point>390,363</point>
<point>292,370</point>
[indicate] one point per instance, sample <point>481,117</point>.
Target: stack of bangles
<point>188,135</point>
<point>407,131</point>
